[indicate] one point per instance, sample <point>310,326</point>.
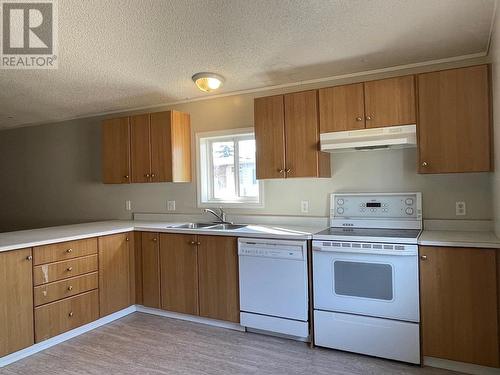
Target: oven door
<point>366,282</point>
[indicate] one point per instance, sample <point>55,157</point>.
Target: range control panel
<point>375,206</point>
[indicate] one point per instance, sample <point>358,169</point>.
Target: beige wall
<point>51,174</point>
<point>495,58</point>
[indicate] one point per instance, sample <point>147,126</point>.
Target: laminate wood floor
<point>147,344</point>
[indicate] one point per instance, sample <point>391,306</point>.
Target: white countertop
<point>479,239</point>
<point>44,236</point>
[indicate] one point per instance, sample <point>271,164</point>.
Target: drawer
<point>61,316</point>
<point>64,250</point>
<point>48,273</point>
<point>65,288</point>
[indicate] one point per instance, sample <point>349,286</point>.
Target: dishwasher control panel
<point>296,251</point>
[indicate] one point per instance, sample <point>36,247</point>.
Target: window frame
<point>204,169</point>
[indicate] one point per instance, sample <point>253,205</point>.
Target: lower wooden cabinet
<point>459,302</point>
<point>179,273</point>
<point>64,315</point>
<point>150,249</point>
<point>114,273</point>
<point>218,278</point>
<point>16,301</point>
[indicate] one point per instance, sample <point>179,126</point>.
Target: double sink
<point>213,226</point>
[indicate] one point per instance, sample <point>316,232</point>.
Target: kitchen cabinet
<point>218,278</point>
<point>116,151</point>
<point>459,304</point>
<point>16,301</point>
<point>372,104</point>
<point>150,250</point>
<point>287,137</point>
<point>114,273</point>
<point>179,273</point>
<point>454,118</point>
<point>145,148</point>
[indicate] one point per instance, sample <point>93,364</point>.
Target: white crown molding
<point>395,68</point>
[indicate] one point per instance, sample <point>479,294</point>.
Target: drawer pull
<point>69,250</point>
<point>29,257</point>
<point>70,288</point>
<point>69,269</point>
<point>70,314</point>
<point>198,243</point>
<point>155,239</point>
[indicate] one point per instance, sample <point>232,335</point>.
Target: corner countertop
<point>455,238</point>
<point>37,237</point>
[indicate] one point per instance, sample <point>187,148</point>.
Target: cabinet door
<point>16,301</point>
<point>114,273</point>
<point>269,120</point>
<point>116,151</point>
<point>454,121</point>
<point>341,108</point>
<point>161,147</point>
<point>179,273</point>
<point>218,273</point>
<point>140,148</point>
<point>459,304</point>
<point>390,102</point>
<point>150,249</point>
<point>302,134</point>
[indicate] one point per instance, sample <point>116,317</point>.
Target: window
<point>226,172</point>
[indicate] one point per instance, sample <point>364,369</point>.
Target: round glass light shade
<point>208,82</point>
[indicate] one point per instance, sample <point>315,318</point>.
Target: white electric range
<point>365,274</point>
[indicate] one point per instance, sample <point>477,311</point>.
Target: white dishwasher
<point>274,286</point>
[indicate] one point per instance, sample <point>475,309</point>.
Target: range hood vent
<point>370,139</point>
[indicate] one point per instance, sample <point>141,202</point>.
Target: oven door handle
<point>363,251</point>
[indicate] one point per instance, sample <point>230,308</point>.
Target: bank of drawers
<point>65,278</point>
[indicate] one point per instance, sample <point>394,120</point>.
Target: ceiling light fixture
<point>208,82</point>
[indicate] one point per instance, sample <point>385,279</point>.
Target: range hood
<point>370,139</point>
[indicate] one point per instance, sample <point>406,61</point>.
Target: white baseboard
<point>467,368</point>
<point>191,318</point>
<point>23,353</point>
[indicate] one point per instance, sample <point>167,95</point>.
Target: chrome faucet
<point>221,217</point>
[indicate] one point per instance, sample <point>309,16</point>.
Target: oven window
<point>367,280</point>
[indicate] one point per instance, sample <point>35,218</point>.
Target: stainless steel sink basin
<point>227,226</point>
<point>192,226</point>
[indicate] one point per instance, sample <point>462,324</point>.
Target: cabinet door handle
<point>423,257</point>
<point>153,175</point>
<point>192,242</point>
<point>198,243</point>
<point>69,269</point>
<point>155,239</point>
<point>146,175</point>
<point>288,170</point>
<point>425,164</point>
<point>69,250</point>
<point>126,239</point>
<point>29,258</point>
<point>281,170</point>
<point>70,288</point>
<point>359,119</point>
<point>126,177</point>
<point>70,314</point>
<point>370,117</point>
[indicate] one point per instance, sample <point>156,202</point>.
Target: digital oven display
<point>373,204</point>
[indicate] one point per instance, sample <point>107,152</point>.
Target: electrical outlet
<point>460,209</point>
<point>170,205</point>
<point>304,207</point>
<point>128,205</point>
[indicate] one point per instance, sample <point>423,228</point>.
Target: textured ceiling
<point>123,54</point>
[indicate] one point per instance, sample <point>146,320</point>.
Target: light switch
<point>460,209</point>
<point>304,207</point>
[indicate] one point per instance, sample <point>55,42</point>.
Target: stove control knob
<point>409,211</point>
<point>340,210</point>
<point>409,201</point>
<point>340,201</point>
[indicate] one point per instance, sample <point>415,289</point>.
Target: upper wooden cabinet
<point>372,104</point>
<point>459,304</point>
<point>152,147</point>
<point>287,137</point>
<point>454,121</point>
<point>114,272</point>
<point>16,301</point>
<point>116,151</point>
